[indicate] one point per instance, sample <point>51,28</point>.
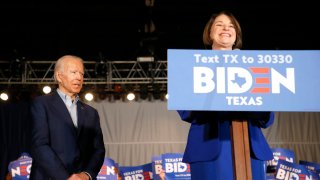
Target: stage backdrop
<point>136,131</point>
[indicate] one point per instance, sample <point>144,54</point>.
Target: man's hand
<point>79,176</point>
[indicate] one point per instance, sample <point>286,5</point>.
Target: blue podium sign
<point>244,80</point>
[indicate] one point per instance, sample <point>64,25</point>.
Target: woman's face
<point>223,33</point>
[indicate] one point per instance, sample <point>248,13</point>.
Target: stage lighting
<point>102,95</point>
<point>167,96</point>
<point>146,50</point>
<point>131,96</point>
<point>101,69</point>
<point>4,96</point>
<point>117,88</point>
<point>89,96</point>
<point>143,91</point>
<point>156,91</point>
<point>46,89</point>
<point>145,59</point>
<point>16,64</point>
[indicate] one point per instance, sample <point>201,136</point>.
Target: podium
<point>240,150</point>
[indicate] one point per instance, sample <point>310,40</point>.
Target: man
<point>67,141</point>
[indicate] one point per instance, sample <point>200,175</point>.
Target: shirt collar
<point>66,98</point>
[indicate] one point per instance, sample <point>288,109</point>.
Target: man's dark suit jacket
<point>59,149</point>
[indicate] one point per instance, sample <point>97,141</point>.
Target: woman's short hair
<point>206,33</point>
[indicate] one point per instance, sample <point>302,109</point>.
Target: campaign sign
<point>143,172</point>
<point>244,80</point>
<point>158,172</point>
<point>313,167</point>
<point>281,154</point>
<point>109,170</point>
<point>270,176</point>
<point>278,154</point>
<point>174,168</point>
<point>20,169</point>
<point>290,171</point>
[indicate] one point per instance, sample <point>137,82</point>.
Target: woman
<point>209,149</point>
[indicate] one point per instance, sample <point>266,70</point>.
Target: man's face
<point>71,77</point>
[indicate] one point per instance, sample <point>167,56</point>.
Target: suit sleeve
<point>41,152</point>
<point>259,144</point>
<point>261,119</point>
<point>185,116</point>
<point>206,116</point>
<point>98,154</point>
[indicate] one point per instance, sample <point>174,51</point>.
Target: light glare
<point>4,96</point>
<point>89,96</point>
<point>46,89</point>
<point>130,96</point>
